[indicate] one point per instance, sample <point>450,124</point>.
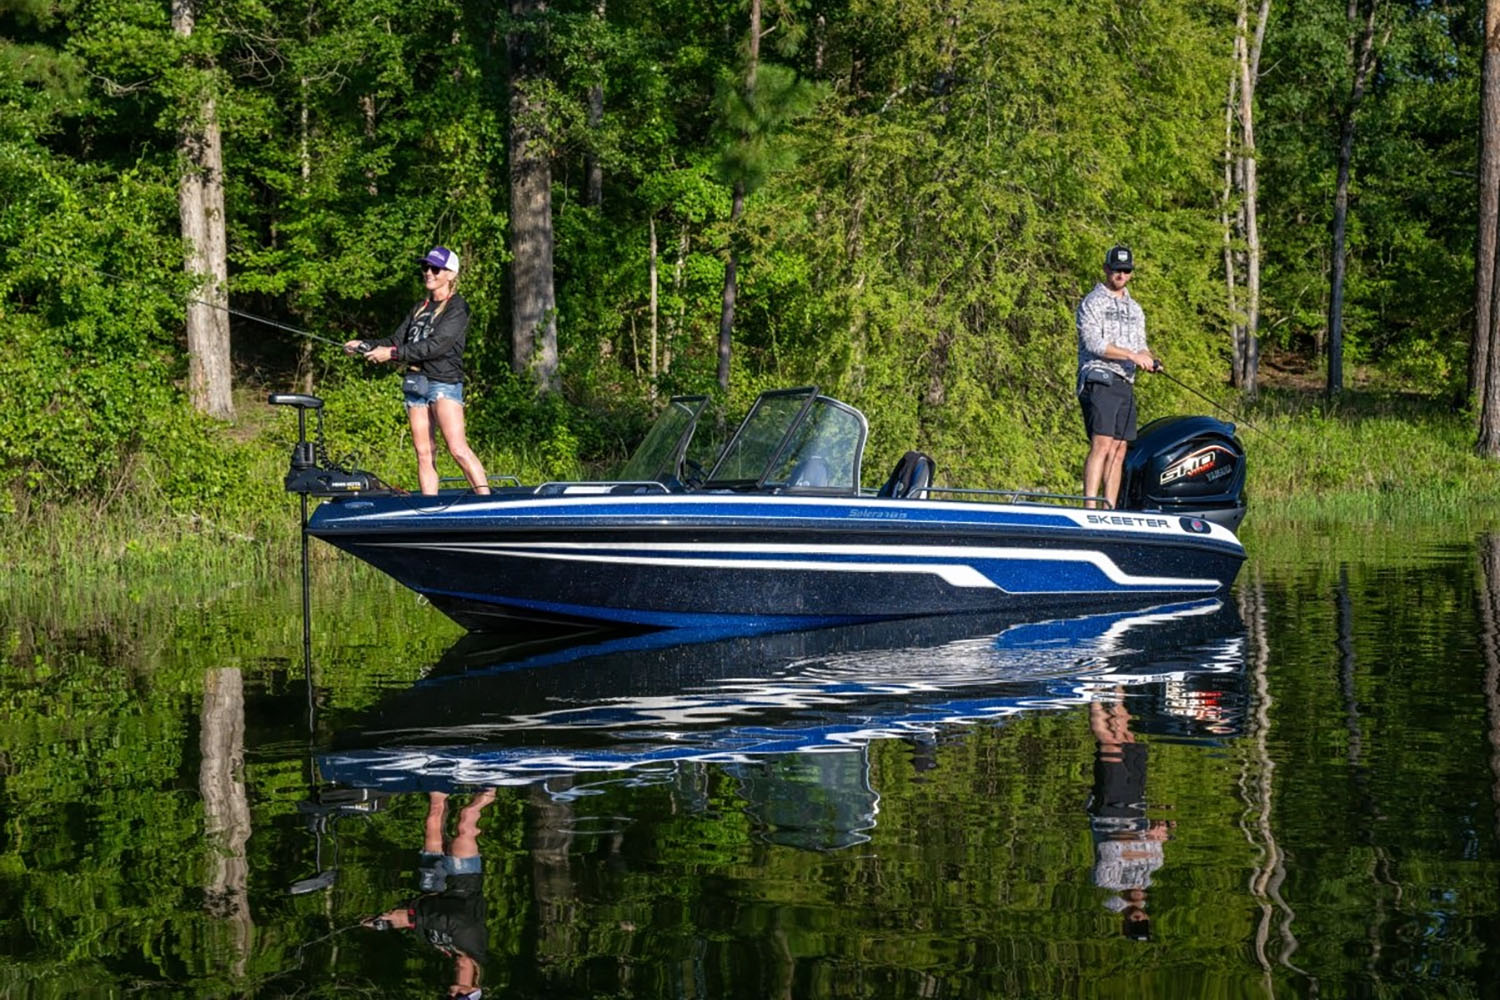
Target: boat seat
<point>811,471</point>
<point>910,478</point>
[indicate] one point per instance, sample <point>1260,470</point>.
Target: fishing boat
<point>779,532</point>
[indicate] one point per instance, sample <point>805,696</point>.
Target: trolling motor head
<point>311,472</point>
<point>321,810</point>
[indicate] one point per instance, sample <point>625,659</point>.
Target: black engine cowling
<point>1191,466</point>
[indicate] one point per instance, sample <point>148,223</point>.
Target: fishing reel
<point>312,473</point>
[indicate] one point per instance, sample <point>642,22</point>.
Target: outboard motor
<point>1191,466</point>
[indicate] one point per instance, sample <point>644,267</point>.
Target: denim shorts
<point>435,392</point>
<point>433,869</point>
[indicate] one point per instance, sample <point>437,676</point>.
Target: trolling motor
<point>321,811</point>
<point>312,473</point>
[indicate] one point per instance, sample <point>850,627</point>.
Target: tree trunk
<point>226,808</point>
<point>215,225</point>
<point>737,209</point>
<point>1250,212</point>
<point>1489,400</point>
<point>533,298</point>
<point>937,374</point>
<point>655,303</point>
<point>731,287</point>
<point>594,196</point>
<point>200,202</point>
<point>1228,219</point>
<point>1364,53</point>
<point>554,893</point>
<point>367,110</point>
<point>1489,199</point>
<point>304,120</point>
<point>675,321</point>
<point>1489,645</point>
<point>593,168</point>
<point>820,43</point>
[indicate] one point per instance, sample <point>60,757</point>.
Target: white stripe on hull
<point>957,574</point>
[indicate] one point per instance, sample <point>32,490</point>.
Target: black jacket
<point>454,920</point>
<point>433,347</point>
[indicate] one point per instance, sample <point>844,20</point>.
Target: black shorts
<point>1109,409</point>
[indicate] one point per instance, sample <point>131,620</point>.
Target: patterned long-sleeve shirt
<point>1105,319</point>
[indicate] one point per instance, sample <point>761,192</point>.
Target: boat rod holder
<point>311,472</point>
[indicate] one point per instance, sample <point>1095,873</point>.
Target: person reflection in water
<point>1127,846</point>
<point>450,911</point>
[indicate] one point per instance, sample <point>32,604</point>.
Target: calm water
<point>1292,792</point>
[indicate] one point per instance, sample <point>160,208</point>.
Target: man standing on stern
<point>1111,347</point>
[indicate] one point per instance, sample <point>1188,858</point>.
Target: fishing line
<point>202,302</point>
<point>270,322</point>
<point>1162,371</point>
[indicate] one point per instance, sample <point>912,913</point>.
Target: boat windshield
<point>795,439</point>
<point>659,456</point>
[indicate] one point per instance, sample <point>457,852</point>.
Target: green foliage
<point>754,120</point>
<point>929,196</point>
<point>1413,211</point>
<point>92,362</point>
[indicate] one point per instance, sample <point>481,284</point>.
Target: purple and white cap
<point>442,257</point>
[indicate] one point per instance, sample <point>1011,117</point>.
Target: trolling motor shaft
<point>311,472</point>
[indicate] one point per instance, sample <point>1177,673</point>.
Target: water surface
<point>1293,791</point>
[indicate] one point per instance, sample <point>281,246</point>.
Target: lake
<point>1293,791</point>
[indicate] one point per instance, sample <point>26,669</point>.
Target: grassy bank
<point>210,502</point>
<point>1369,458</point>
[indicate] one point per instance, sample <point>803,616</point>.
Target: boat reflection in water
<point>789,715</point>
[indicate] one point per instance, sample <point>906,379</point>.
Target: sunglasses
<point>430,269</point>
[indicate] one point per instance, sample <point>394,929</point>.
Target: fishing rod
<point>1161,370</point>
<point>242,314</point>
<point>270,322</point>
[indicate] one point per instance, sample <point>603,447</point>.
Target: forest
<point>901,202</point>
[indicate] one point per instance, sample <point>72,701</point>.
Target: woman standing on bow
<point>429,346</point>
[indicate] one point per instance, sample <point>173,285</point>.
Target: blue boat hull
<point>679,561</point>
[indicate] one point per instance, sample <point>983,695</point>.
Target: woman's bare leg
<point>465,843</point>
<point>432,829</point>
<point>450,418</point>
<point>423,441</point>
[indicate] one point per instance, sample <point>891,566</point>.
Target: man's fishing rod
<point>1161,370</point>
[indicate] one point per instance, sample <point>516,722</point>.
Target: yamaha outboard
<point>1191,466</point>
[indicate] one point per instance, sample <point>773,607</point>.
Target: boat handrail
<point>600,487</point>
<point>1021,495</point>
<point>489,480</point>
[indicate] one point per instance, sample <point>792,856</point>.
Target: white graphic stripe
<point>955,574</point>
